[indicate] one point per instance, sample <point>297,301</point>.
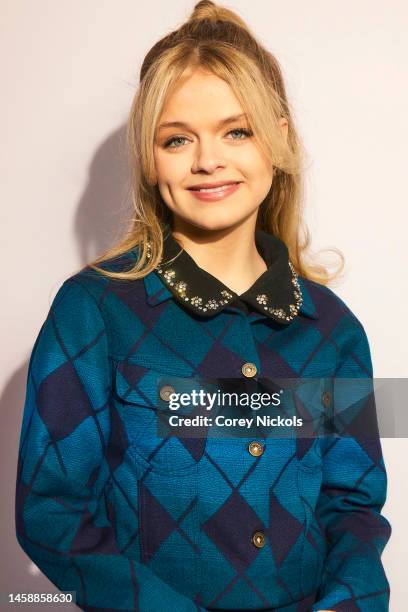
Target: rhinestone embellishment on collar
<point>180,286</point>
<point>263,299</point>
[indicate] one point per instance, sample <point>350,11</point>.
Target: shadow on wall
<point>100,218</point>
<point>105,205</point>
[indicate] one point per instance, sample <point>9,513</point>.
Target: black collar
<point>276,293</point>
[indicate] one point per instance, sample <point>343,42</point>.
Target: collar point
<point>308,307</point>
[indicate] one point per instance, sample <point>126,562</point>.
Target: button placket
<point>327,400</point>
<point>249,368</point>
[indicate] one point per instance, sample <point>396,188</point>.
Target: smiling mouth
<point>213,189</point>
<point>215,194</point>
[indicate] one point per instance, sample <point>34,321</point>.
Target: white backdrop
<point>69,71</point>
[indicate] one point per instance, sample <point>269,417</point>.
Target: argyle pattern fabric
<point>134,521</point>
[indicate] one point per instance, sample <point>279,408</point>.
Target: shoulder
<point>90,298</point>
<point>87,311</point>
<point>93,284</point>
<point>327,303</point>
<point>337,323</point>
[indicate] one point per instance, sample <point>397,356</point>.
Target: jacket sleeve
<point>353,492</point>
<point>62,518</point>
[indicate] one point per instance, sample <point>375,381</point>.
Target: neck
<point>229,254</point>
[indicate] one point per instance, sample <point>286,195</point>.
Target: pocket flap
<point>144,386</point>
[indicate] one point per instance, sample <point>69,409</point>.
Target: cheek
<point>265,179</point>
<point>253,165</point>
<point>170,169</point>
<point>259,176</point>
<point>160,168</point>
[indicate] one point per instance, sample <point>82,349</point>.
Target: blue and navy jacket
<point>134,520</point>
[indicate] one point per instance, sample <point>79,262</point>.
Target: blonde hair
<point>217,40</point>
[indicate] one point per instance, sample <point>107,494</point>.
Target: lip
<point>212,185</point>
<point>225,189</point>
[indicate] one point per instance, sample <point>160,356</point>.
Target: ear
<point>283,124</point>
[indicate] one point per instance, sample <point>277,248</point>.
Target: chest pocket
<point>144,396</point>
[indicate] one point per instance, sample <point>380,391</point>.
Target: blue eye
<point>242,131</point>
<point>168,144</point>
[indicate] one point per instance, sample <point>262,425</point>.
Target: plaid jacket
<point>131,520</point>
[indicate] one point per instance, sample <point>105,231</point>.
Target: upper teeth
<point>215,188</point>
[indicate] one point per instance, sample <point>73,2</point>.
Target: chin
<point>214,216</point>
<point>214,224</point>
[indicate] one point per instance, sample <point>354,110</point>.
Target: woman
<point>210,282</point>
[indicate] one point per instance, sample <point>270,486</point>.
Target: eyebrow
<point>181,124</point>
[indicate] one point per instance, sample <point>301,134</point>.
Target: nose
<point>207,157</point>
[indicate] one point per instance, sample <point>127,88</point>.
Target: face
<point>204,148</point>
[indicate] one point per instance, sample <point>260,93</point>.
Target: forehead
<point>200,97</point>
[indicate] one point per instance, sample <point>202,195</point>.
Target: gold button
<point>258,539</point>
<point>249,369</point>
<point>326,399</point>
<point>166,391</point>
<point>255,448</point>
